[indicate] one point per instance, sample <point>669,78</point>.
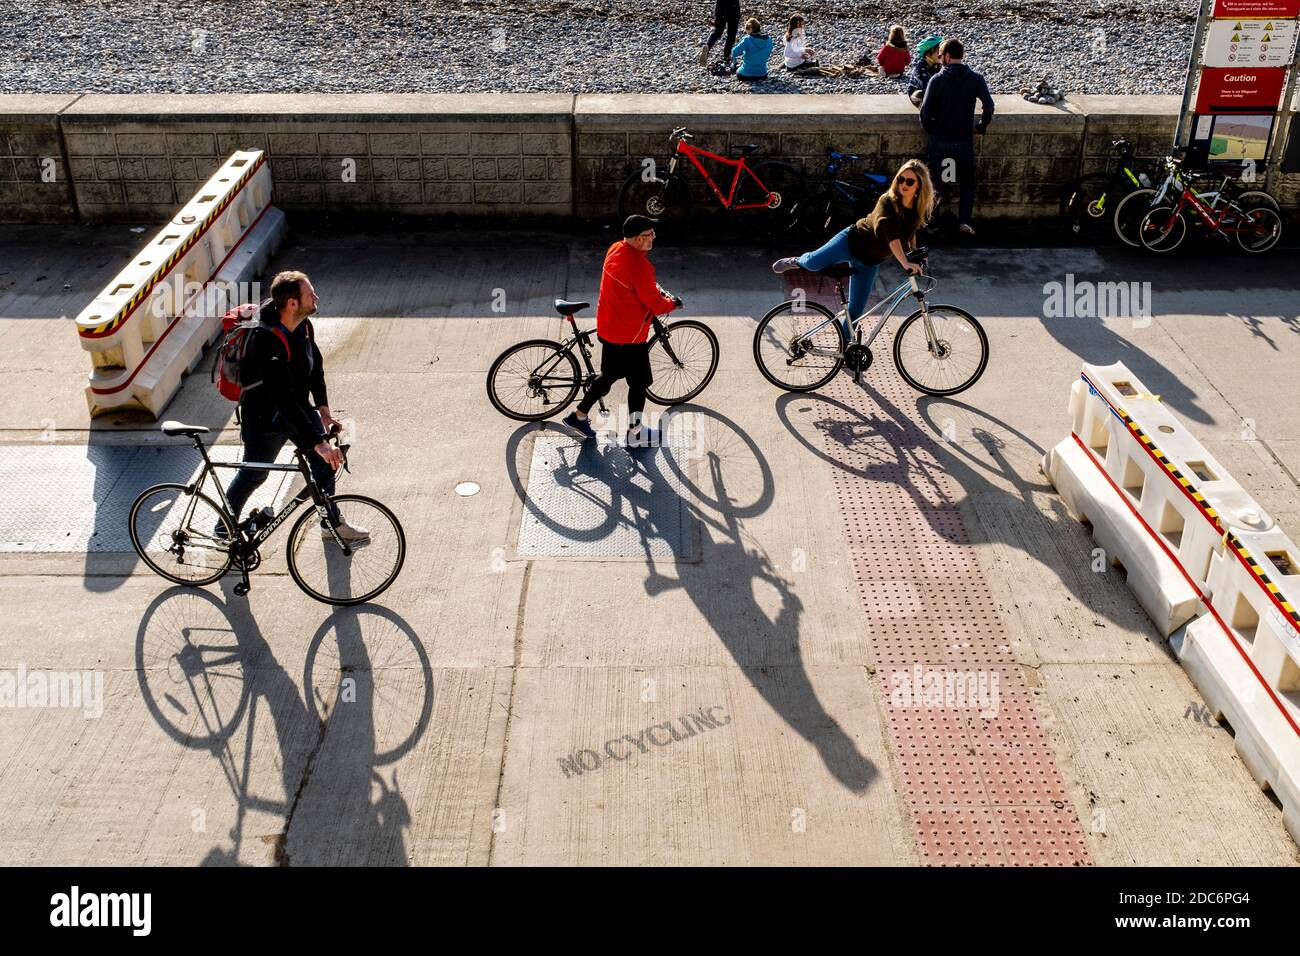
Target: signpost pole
<point>1183,132</point>
<point>1285,117</point>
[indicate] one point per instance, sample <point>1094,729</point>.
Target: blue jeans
<point>835,251</point>
<point>264,446</point>
<point>963,156</point>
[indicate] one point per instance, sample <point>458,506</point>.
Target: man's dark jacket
<point>948,108</point>
<point>276,397</point>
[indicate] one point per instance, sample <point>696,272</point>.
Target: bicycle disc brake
<point>857,358</point>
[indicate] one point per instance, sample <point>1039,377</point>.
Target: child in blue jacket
<point>752,51</point>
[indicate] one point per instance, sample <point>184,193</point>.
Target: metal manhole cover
<point>589,499</point>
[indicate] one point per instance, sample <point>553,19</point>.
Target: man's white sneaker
<point>347,532</point>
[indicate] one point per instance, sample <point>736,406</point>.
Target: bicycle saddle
<point>170,427</point>
<point>837,271</point>
<point>564,307</point>
<point>745,148</point>
<point>876,178</point>
<point>918,255</point>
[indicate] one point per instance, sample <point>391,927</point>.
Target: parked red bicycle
<point>768,192</point>
<point>1257,227</point>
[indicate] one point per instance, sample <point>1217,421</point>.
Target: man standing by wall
<point>948,115</point>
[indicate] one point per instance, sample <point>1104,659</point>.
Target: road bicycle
<point>185,536</point>
<point>1257,228</point>
<point>1089,206</point>
<point>840,202</point>
<point>939,349</point>
<point>770,190</point>
<point>534,380</point>
<point>1133,206</point>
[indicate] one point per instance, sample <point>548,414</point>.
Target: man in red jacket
<point>629,296</point>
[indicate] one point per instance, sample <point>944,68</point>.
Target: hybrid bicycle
<point>536,379</point>
<point>939,349</point>
<point>840,202</point>
<point>185,536</point>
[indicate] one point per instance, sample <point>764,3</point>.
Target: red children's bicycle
<point>768,192</point>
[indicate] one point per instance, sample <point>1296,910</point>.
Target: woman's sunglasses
<point>908,181</point>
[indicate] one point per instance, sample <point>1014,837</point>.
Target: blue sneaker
<point>579,424</point>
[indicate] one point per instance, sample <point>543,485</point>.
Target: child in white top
<point>797,52</point>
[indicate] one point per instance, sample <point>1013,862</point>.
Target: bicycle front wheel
<point>1162,229</point>
<point>799,346</point>
<point>1260,230</point>
<point>533,380</point>
<point>181,534</point>
<point>682,361</point>
<point>323,571</point>
<point>667,200</point>
<point>1129,212</point>
<point>947,362</point>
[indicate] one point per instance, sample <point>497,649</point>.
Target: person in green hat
<point>925,66</point>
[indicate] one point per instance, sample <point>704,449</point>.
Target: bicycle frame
<point>1188,196</point>
<point>694,152</point>
<point>886,307</point>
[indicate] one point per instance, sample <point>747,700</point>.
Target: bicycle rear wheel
<point>1260,230</point>
<point>782,342</point>
<point>1129,212</point>
<point>533,380</point>
<point>949,364</point>
<point>682,361</point>
<point>786,188</point>
<point>1087,206</point>
<point>323,571</point>
<point>173,529</point>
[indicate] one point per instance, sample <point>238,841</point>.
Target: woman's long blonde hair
<point>916,217</point>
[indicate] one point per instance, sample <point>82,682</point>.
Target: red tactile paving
<point>975,769</point>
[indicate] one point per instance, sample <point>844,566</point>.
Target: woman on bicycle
<point>890,230</point>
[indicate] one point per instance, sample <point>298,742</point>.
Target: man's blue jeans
<point>265,446</point>
<point>835,251</point>
<point>962,156</point>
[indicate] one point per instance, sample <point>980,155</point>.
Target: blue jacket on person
<point>753,51</point>
<point>948,109</point>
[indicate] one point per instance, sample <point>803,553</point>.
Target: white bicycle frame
<point>886,307</point>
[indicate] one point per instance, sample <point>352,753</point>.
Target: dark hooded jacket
<point>284,391</point>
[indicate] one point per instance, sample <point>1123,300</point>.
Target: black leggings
<point>726,15</point>
<point>631,362</point>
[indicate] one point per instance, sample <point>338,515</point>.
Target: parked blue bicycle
<point>840,201</point>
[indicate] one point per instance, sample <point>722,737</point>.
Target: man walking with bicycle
<point>629,299</point>
<point>285,398</point>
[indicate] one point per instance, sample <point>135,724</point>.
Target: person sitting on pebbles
<point>752,52</point>
<point>798,54</point>
<point>927,65</point>
<point>893,55</point>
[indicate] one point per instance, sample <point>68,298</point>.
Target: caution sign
<point>1239,89</point>
<point>1245,42</point>
<point>1257,8</point>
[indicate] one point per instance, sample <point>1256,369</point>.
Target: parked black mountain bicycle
<point>840,201</point>
<point>536,379</point>
<point>1089,206</point>
<point>185,536</point>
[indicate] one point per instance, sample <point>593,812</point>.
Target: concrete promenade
<point>732,696</point>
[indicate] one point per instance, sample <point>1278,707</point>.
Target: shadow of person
<point>204,668</point>
<point>954,454</point>
<point>725,583</point>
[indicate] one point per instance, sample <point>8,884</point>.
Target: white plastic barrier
<point>151,323</point>
<point>1193,542</point>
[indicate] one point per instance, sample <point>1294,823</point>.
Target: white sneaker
<point>966,229</point>
<point>788,264</point>
<point>642,437</point>
<point>347,532</point>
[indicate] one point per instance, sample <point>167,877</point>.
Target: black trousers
<point>726,15</point>
<point>264,446</point>
<point>631,362</point>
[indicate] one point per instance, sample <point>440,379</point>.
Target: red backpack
<point>237,327</point>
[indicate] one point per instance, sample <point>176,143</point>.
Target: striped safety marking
<point>124,313</point>
<point>1202,505</point>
